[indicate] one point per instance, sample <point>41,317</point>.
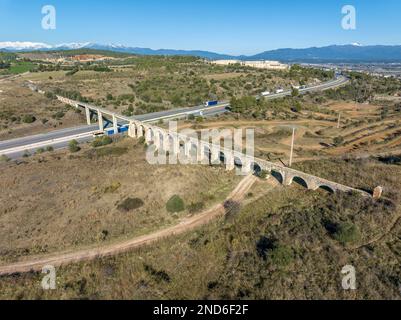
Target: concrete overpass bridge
<point>205,152</point>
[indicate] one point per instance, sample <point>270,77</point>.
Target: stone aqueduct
<point>214,154</point>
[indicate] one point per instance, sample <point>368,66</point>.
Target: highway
<point>59,139</point>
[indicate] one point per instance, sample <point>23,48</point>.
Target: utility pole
<point>339,121</point>
<point>292,145</point>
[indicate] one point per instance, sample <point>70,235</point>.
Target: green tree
<point>73,146</point>
<point>28,118</point>
<point>295,92</point>
<point>297,107</point>
<point>175,204</point>
<point>242,105</point>
<point>338,141</point>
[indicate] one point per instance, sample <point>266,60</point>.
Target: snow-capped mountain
<point>21,46</point>
<point>354,52</point>
<point>71,46</point>
<point>32,46</point>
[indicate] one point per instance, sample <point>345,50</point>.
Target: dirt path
<point>187,224</point>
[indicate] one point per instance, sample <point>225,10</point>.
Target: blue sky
<point>235,27</point>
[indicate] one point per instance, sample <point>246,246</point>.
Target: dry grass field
<point>23,112</point>
<point>285,244</point>
<point>57,201</point>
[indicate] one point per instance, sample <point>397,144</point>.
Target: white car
<point>98,133</point>
<point>279,90</point>
<point>266,93</point>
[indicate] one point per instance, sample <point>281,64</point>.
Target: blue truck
<point>122,129</point>
<point>211,103</point>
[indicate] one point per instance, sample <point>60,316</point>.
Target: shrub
<point>40,150</point>
<point>28,118</point>
<point>130,204</point>
<point>73,146</point>
<point>232,207</point>
<point>112,188</point>
<point>49,149</point>
<point>281,256</point>
<point>295,92</point>
<point>72,72</point>
<point>262,174</point>
<point>158,276</point>
<point>175,204</point>
<point>196,207</point>
<point>102,141</point>
<point>103,235</point>
<point>297,107</point>
<point>264,245</point>
<point>4,158</point>
<point>50,95</point>
<point>59,115</point>
<point>338,141</point>
<point>346,232</point>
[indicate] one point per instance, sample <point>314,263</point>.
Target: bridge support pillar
<point>140,132</point>
<point>88,116</point>
<point>156,140</point>
<point>246,166</point>
<point>131,130</point>
<point>201,153</point>
<point>148,136</point>
<point>100,120</point>
<point>287,180</point>
<point>115,125</point>
<point>312,185</point>
<point>230,165</point>
<point>187,149</point>
<point>215,156</point>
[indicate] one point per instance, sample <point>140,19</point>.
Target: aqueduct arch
<point>278,176</point>
<point>300,181</point>
<point>211,152</point>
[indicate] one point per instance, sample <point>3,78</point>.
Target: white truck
<point>266,93</point>
<point>279,90</point>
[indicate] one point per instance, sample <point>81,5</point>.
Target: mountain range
<point>334,53</point>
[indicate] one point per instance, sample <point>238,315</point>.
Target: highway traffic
<point>59,139</point>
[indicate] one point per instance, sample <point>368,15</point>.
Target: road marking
<point>45,143</point>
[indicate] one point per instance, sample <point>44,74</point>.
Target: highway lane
<point>58,139</point>
<point>53,135</point>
